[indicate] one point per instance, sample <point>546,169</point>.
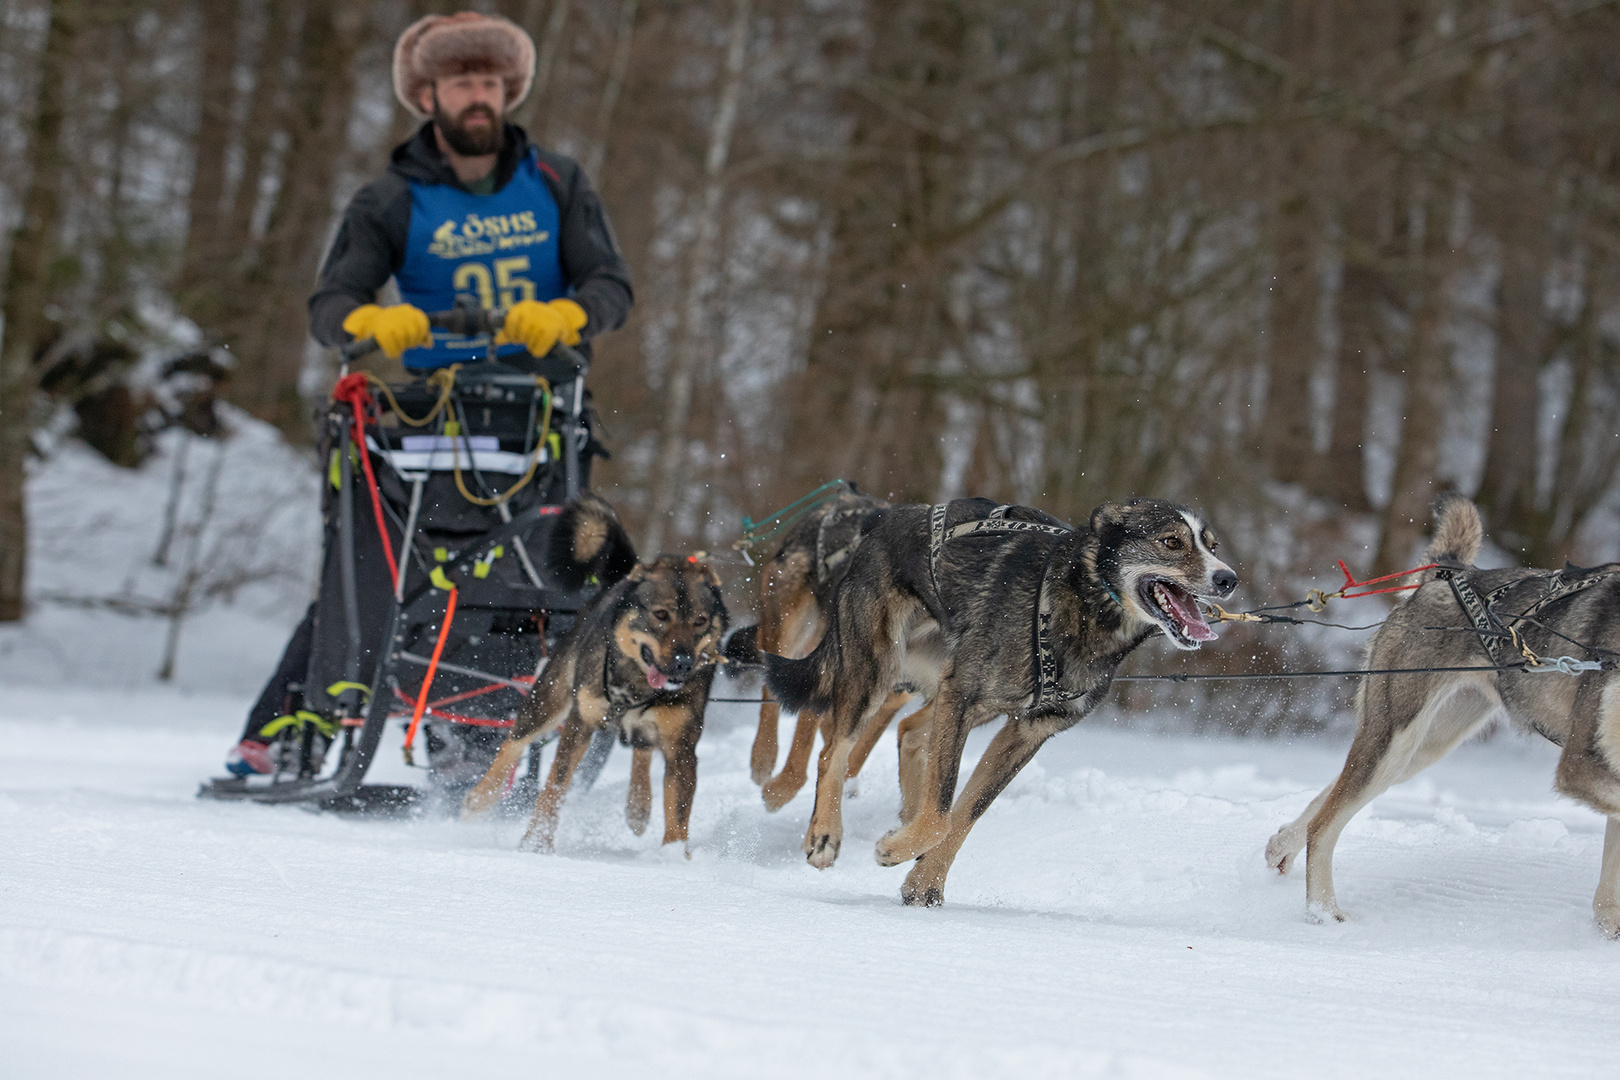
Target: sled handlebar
<point>466,320</point>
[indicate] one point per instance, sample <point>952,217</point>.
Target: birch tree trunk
<point>691,337</point>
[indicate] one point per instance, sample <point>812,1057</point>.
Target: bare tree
<point>26,292</point>
<point>691,336</point>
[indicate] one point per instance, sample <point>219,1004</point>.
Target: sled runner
<point>440,595</point>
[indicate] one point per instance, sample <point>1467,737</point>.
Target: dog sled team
<point>506,268</point>
<point>989,611</point>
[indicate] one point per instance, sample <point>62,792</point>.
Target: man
<point>468,207</point>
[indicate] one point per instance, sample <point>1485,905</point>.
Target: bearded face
<point>475,131</point>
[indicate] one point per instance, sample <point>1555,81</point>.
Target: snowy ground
<point>1111,916</point>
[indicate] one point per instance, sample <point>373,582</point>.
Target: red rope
<point>455,718</point>
<point>1350,582</point>
<point>482,690</point>
<point>352,390</point>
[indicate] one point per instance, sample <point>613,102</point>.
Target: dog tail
<point>1458,531</point>
<point>795,683</point>
<point>588,542</point>
<point>742,647</point>
<point>806,684</point>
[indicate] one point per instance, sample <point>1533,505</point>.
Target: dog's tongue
<point>657,681</point>
<point>1185,609</point>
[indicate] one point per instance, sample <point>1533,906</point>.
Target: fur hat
<point>439,46</point>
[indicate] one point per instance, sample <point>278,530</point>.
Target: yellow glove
<point>396,328</point>
<point>537,327</point>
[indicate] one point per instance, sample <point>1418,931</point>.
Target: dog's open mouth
<point>1176,610</point>
<point>659,681</point>
<point>656,678</point>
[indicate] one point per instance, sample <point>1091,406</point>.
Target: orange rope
<point>427,680</point>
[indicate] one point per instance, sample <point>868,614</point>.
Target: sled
<point>436,609</point>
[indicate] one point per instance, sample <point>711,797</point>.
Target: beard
<point>470,142</point>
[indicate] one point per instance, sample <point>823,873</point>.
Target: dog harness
<point>1048,693</point>
<point>1496,637</point>
<point>829,561</point>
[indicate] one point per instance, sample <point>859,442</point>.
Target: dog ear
<point>1108,515</point>
<point>639,573</point>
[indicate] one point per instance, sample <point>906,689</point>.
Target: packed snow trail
<point>1110,916</point>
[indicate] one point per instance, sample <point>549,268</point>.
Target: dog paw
<point>821,850</point>
<point>1321,914</point>
<point>922,888</point>
<point>637,821</point>
<point>538,843</point>
<point>1608,919</point>
<point>888,853</point>
<point>1280,853</point>
<point>909,841</point>
<point>852,788</point>
<point>779,792</point>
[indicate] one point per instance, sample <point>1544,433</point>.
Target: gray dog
<point>1405,723</point>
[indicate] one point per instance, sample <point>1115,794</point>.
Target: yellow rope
<point>444,378</point>
<point>1220,614</point>
<point>534,460</point>
<point>1524,648</point>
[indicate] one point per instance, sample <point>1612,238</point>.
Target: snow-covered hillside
<point>1111,916</point>
<point>236,525</point>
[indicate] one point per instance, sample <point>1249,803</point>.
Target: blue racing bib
<point>497,249</point>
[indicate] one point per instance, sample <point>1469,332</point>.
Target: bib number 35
<point>505,284</point>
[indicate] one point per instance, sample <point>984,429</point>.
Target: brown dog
<point>641,658</point>
<point>796,584</point>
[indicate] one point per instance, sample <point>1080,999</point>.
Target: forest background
<point>1302,263</point>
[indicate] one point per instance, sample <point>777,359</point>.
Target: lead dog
<point>641,657</point>
<point>796,584</point>
<point>1407,722</point>
<point>1027,617</point>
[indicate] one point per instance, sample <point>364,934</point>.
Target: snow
<point>246,557</point>
<point>1111,916</point>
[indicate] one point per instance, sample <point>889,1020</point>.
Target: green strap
<point>754,531</point>
<point>299,719</point>
<point>481,567</point>
<point>343,684</point>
